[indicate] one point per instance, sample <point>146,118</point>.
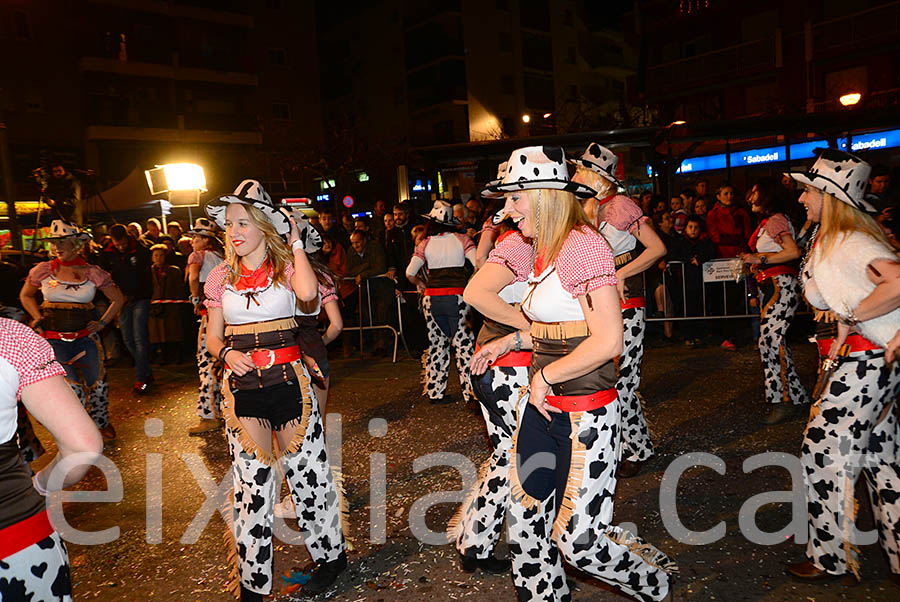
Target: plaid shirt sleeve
<point>37,274</point>
<point>585,263</point>
<point>513,253</point>
<point>27,352</point>
<point>327,293</point>
<point>777,225</point>
<point>215,286</point>
<point>624,215</point>
<point>99,277</point>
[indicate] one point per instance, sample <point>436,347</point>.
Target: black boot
<point>325,575</point>
<point>492,565</point>
<point>248,596</point>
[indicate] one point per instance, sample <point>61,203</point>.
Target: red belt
<point>634,303</point>
<point>857,342</point>
<point>511,359</point>
<point>583,403</point>
<point>453,290</point>
<point>266,358</point>
<point>24,533</point>
<point>67,337</point>
<point>778,270</point>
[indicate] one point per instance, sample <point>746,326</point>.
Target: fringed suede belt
<point>583,403</point>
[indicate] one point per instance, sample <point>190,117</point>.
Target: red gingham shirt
<point>28,353</point>
<point>327,293</point>
<point>585,263</point>
<point>513,253</point>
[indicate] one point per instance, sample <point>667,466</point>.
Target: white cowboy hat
<point>501,172</point>
<point>60,229</point>
<point>840,174</point>
<point>312,240</point>
<point>442,213</point>
<point>250,192</point>
<point>202,227</point>
<point>601,160</point>
<point>539,167</point>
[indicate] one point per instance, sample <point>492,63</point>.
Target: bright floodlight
<point>547,115</point>
<point>679,122</point>
<point>848,100</point>
<point>176,176</point>
<point>526,118</point>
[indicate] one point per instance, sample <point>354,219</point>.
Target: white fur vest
<point>840,282</point>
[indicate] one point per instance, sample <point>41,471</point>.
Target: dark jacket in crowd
<point>130,270</point>
<point>687,249</point>
<point>370,263</point>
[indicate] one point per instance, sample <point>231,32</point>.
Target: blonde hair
<point>277,251</point>
<point>555,214</point>
<point>840,218</point>
<point>589,177</point>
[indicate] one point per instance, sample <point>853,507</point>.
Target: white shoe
<point>285,508</point>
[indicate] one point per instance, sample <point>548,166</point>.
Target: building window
<point>363,176</point>
<point>537,52</point>
<point>570,56</point>
<point>281,110</point>
<point>506,84</point>
<point>23,27</point>
<point>505,39</point>
<point>277,56</point>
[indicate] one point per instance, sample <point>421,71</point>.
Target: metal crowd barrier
<point>649,297</point>
<point>397,332</point>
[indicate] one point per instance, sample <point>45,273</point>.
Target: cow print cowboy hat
<point>442,213</point>
<point>536,168</point>
<point>601,160</point>
<point>250,192</point>
<point>842,175</point>
<point>309,236</point>
<point>61,229</point>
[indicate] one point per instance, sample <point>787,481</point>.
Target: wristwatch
<point>763,260</point>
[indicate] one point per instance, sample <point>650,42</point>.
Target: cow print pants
<point>477,525</point>
<point>317,495</point>
<point>562,483</point>
<point>853,430</point>
<point>40,572</point>
<point>209,400</point>
<point>636,443</point>
<point>447,318</point>
<point>780,300</point>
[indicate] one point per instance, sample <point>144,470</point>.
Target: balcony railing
<point>741,59</point>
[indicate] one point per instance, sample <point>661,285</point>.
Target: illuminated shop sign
<point>774,154</point>
<point>323,197</point>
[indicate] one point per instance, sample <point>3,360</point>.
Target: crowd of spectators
<point>702,223</point>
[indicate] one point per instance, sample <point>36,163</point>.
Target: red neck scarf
<point>253,279</point>
<point>75,263</point>
<point>605,199</point>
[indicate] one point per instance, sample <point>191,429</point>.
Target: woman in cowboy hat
<point>496,290</point>
<point>252,299</point>
<point>444,252</point>
<point>851,271</point>
<point>562,509</point>
<point>66,317</point>
<point>636,247</point>
<point>773,262</point>
<point>206,253</point>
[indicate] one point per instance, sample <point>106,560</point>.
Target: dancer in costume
<point>207,254</point>
<point>66,317</point>
<point>562,509</point>
<point>252,299</point>
<point>774,250</point>
<point>852,271</point>
<point>34,564</point>
<point>444,252</point>
<point>496,291</point>
<point>636,247</point>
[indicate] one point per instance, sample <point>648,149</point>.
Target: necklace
<point>256,269</point>
<point>809,248</point>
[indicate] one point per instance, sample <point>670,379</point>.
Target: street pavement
<point>697,400</point>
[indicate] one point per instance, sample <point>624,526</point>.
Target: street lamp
<point>526,118</point>
<point>679,122</point>
<point>547,115</point>
<point>183,182</point>
<point>848,100</point>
